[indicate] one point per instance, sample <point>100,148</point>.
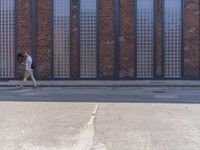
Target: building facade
<point>101,39</point>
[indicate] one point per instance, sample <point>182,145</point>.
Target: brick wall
<point>159,41</point>
<point>127,39</point>
<point>106,39</point>
<point>191,39</point>
<point>23,30</point>
<point>74,41</point>
<point>43,40</point>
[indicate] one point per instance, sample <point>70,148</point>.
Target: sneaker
<point>34,87</point>
<point>19,87</point>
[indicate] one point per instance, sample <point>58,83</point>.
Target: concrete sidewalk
<point>106,83</point>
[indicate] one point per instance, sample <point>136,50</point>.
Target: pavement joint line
<point>95,110</point>
<point>86,136</point>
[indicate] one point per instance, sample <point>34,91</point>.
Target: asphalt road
<point>102,94</point>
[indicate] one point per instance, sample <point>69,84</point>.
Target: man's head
<point>27,52</point>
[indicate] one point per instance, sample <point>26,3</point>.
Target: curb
<point>117,86</point>
<point>84,83</point>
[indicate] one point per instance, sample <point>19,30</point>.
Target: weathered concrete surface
<point>100,118</point>
<point>41,126</point>
<point>106,83</point>
<point>148,127</point>
<point>127,126</point>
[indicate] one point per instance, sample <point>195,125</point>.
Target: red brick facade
<point>127,38</point>
<point>43,39</point>
<point>74,41</point>
<point>106,39</point>
<point>159,41</point>
<point>106,43</point>
<point>191,39</point>
<point>23,30</point>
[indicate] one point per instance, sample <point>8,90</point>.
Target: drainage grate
<point>158,91</point>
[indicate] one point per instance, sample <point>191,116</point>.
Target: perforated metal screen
<point>88,38</point>
<point>172,38</point>
<point>61,22</point>
<point>7,38</point>
<point>145,38</point>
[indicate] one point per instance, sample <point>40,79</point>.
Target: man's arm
<point>21,63</point>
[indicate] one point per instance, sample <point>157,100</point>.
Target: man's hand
<point>22,63</point>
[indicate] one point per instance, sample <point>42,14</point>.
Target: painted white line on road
<point>86,135</point>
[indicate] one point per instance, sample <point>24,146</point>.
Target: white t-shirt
<point>28,63</point>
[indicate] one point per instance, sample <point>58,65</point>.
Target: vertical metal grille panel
<point>88,38</point>
<point>61,22</point>
<point>7,38</point>
<point>145,38</point>
<point>172,38</point>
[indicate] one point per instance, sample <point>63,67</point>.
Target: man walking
<point>28,70</point>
